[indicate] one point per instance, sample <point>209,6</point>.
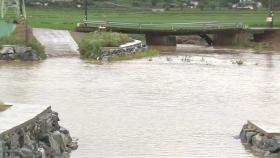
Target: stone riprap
<point>262,137</point>
<point>29,131</point>
<point>125,49</point>
<point>11,52</point>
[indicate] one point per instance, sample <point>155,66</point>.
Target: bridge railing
<point>166,26</point>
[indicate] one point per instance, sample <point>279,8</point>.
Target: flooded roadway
<point>183,105</point>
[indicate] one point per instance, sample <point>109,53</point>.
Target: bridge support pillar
<point>164,40</point>
<point>231,38</point>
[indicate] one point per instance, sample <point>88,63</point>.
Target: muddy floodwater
<point>179,105</point>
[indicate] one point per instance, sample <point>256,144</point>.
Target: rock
<point>29,55</point>
<point>249,136</point>
<point>20,53</point>
<point>7,53</point>
<point>1,147</point>
<point>20,50</point>
<point>258,141</point>
<point>271,145</point>
<point>26,153</point>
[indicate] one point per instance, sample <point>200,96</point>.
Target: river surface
<point>183,105</point>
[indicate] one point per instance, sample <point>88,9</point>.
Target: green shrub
<point>91,45</point>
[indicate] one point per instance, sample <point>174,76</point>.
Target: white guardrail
<point>168,26</point>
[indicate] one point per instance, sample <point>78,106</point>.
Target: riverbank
<point>21,46</point>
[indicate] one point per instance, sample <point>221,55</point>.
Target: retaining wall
<point>125,49</point>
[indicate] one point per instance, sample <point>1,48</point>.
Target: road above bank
<point>57,43</point>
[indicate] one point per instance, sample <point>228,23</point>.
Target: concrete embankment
<point>262,137</point>
<point>33,131</point>
<point>57,42</point>
<point>123,50</point>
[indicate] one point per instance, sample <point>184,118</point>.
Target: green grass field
<point>62,18</point>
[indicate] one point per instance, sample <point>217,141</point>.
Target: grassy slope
<point>68,18</point>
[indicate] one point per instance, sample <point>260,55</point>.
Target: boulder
<point>259,141</point>
<point>18,53</point>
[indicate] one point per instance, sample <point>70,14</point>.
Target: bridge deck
<point>161,29</point>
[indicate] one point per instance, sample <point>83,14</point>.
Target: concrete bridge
<point>214,33</point>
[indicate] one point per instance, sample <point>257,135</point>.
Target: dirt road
<point>57,42</point>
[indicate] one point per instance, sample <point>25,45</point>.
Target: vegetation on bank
<point>4,107</point>
<point>91,45</point>
<point>139,55</point>
<point>18,38</point>
<point>67,18</point>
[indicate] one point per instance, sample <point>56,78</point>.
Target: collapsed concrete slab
<point>33,131</point>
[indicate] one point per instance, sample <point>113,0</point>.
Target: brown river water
<point>179,105</point>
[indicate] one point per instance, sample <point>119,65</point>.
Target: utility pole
<point>269,19</point>
<point>86,12</point>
